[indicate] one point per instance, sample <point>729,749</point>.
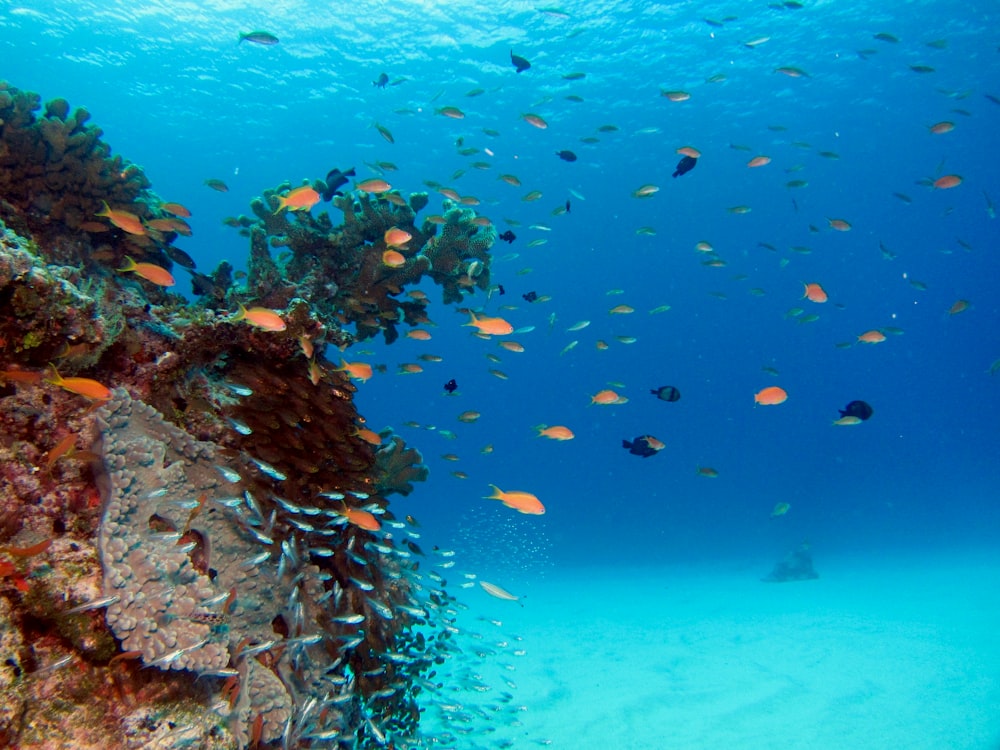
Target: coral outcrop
<point>342,269</point>
<point>212,543</point>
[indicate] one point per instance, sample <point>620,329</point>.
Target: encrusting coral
<point>216,510</point>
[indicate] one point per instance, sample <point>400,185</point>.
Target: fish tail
<point>626,444</point>
<point>129,264</point>
<point>55,378</point>
<point>350,172</point>
<point>106,211</point>
<point>241,313</point>
<point>497,493</point>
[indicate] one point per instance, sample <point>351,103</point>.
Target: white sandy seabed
<point>894,653</point>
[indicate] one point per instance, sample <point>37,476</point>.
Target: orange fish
<point>22,376</point>
<point>873,336</point>
<point>759,161</point>
<point>512,346</point>
<point>34,549</point>
<point>149,271</point>
<point>260,317</point>
<point>960,306</point>
<point>942,127</point>
<point>409,368</point>
<point>361,518</point>
<point>689,151</point>
<point>359,370</point>
<point>490,326</point>
<point>770,396</point>
<point>369,436</point>
<point>522,502</point>
<point>300,199</point>
<point>607,398</point>
<point>60,449</point>
<point>948,181</point>
<point>374,185</point>
<point>396,237</point>
<point>815,293</point>
<point>305,342</point>
<point>556,432</point>
<point>176,209</point>
<point>621,310</point>
<point>707,471</point>
<point>82,386</point>
<point>127,222</point>
<point>315,372</point>
<point>419,334</point>
<point>839,224</point>
<point>393,259</point>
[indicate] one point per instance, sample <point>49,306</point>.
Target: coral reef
<point>56,178</point>
<point>208,556</point>
<point>341,269</point>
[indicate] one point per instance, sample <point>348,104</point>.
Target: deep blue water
<point>175,94</point>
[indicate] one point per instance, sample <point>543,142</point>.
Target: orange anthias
<point>490,326</point>
<point>361,518</point>
<point>770,396</point>
<point>300,199</point>
<point>873,336</point>
<point>81,386</point>
<point>360,370</point>
<point>149,271</point>
<point>260,317</point>
<point>815,293</point>
<point>522,502</point>
<point>396,237</point>
<point>556,432</point>
<point>127,222</point>
<point>607,398</point>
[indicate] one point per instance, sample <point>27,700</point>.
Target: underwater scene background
<point>851,146</point>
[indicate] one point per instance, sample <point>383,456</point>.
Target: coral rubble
<point>212,543</point>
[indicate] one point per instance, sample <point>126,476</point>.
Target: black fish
<point>335,179</point>
<point>644,445</point>
<point>530,296</point>
<point>566,155</point>
<point>451,386</point>
<point>381,81</point>
<point>858,409</point>
<point>203,285</point>
<point>500,289</point>
<point>179,257</point>
<point>666,393</point>
<point>567,207</point>
<point>519,62</point>
<point>507,236</point>
<point>685,165</point>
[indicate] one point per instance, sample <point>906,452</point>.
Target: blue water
<point>175,94</point>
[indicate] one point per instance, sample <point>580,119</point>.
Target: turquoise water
<point>176,94</point>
